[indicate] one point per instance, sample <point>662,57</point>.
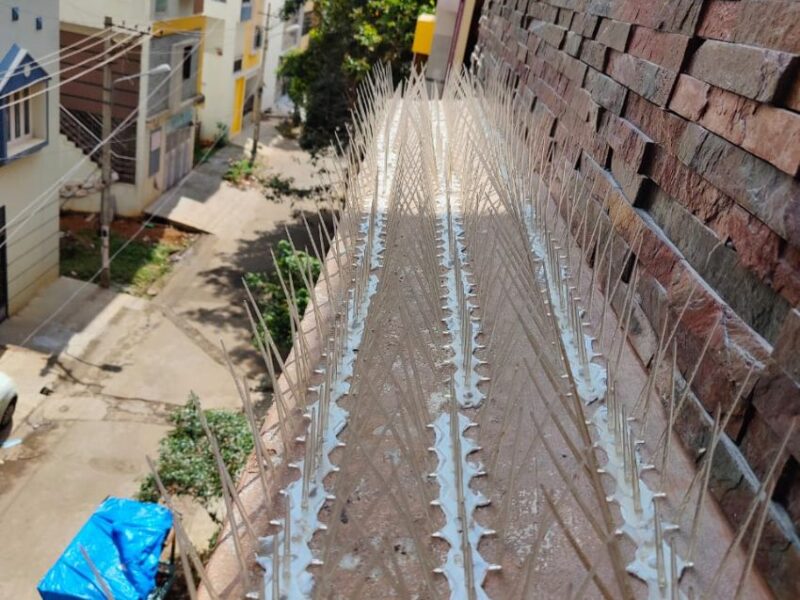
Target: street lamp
<point>106,209</point>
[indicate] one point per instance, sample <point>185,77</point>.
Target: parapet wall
<point>690,112</point>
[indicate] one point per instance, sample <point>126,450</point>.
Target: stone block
<point>690,97</point>
<point>786,278</point>
<point>572,44</point>
<point>594,54</point>
<point>776,396</point>
<point>665,49</point>
<point>628,142</point>
<point>756,73</point>
<point>760,188</point>
<point>552,34</point>
<point>786,352</point>
<point>645,78</point>
<point>768,132</point>
<point>585,24</point>
<point>605,91</point>
<point>764,23</point>
<point>694,193</point>
<point>757,246</point>
<point>613,34</point>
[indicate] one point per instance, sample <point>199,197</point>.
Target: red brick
<point>660,125</point>
<point>757,246</point>
<point>584,24</point>
<point>628,142</point>
<point>645,78</point>
<point>552,34</point>
<point>760,446</point>
<point>613,34</point>
<point>756,185</point>
<point>665,49</point>
<point>746,70</point>
<point>768,132</point>
<point>605,91</point>
<point>786,279</point>
<point>690,97</point>
<point>594,54</point>
<point>786,352</point>
<point>765,23</point>
<point>719,20</point>
<point>698,196</point>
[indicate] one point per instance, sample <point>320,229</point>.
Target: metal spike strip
<point>286,569</point>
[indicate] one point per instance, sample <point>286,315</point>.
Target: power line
<point>42,198</point>
<point>72,78</point>
<point>51,57</point>
<point>144,225</point>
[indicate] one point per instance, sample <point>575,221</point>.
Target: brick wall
<point>690,111</point>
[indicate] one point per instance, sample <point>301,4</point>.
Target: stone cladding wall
<point>689,110</point>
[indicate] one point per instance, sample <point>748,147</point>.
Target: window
<point>307,22</point>
<point>237,65</point>
<point>39,23</point>
<point>187,63</point>
<point>20,128</point>
<point>15,14</point>
<point>155,153</point>
<point>161,6</point>
<point>247,10</point>
<point>258,37</point>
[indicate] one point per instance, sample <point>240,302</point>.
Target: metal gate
<point>3,267</point>
<point>178,160</point>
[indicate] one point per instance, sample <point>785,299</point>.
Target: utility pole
<point>259,92</point>
<point>106,209</point>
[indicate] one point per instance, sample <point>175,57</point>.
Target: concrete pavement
<point>114,364</point>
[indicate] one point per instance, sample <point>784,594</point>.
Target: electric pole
<point>106,209</point>
<point>259,92</point>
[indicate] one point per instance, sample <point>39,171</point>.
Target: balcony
<point>247,11</point>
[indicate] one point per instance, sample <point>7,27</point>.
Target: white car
<point>8,400</point>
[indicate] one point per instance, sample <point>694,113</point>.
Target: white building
<point>231,60</point>
<point>31,160</point>
<point>283,37</point>
<point>156,149</point>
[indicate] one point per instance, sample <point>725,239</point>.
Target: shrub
<point>238,171</point>
<point>272,302</point>
<point>186,463</point>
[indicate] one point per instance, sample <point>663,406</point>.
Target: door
<point>3,267</point>
<point>179,155</point>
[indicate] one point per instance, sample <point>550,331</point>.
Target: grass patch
<point>277,187</point>
<point>135,269</point>
<point>185,461</point>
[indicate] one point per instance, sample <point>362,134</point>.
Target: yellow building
<point>232,58</point>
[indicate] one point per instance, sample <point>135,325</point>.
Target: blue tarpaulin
<point>124,539</point>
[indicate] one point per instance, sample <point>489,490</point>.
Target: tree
<point>348,39</point>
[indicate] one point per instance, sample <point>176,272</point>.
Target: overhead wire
<point>36,205</point>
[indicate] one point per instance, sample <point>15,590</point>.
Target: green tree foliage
<point>350,37</point>
<point>186,463</point>
<point>268,291</point>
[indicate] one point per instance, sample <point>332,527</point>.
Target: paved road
<point>113,365</point>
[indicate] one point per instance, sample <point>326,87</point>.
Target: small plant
<point>239,171</point>
<point>271,300</point>
<point>185,461</point>
<point>288,129</point>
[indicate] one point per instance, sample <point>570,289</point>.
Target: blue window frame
<point>23,105</point>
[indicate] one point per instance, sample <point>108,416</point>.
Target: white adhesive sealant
<point>590,379</point>
<point>295,581</point>
<point>448,501</point>
<point>467,395</point>
<point>638,523</point>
